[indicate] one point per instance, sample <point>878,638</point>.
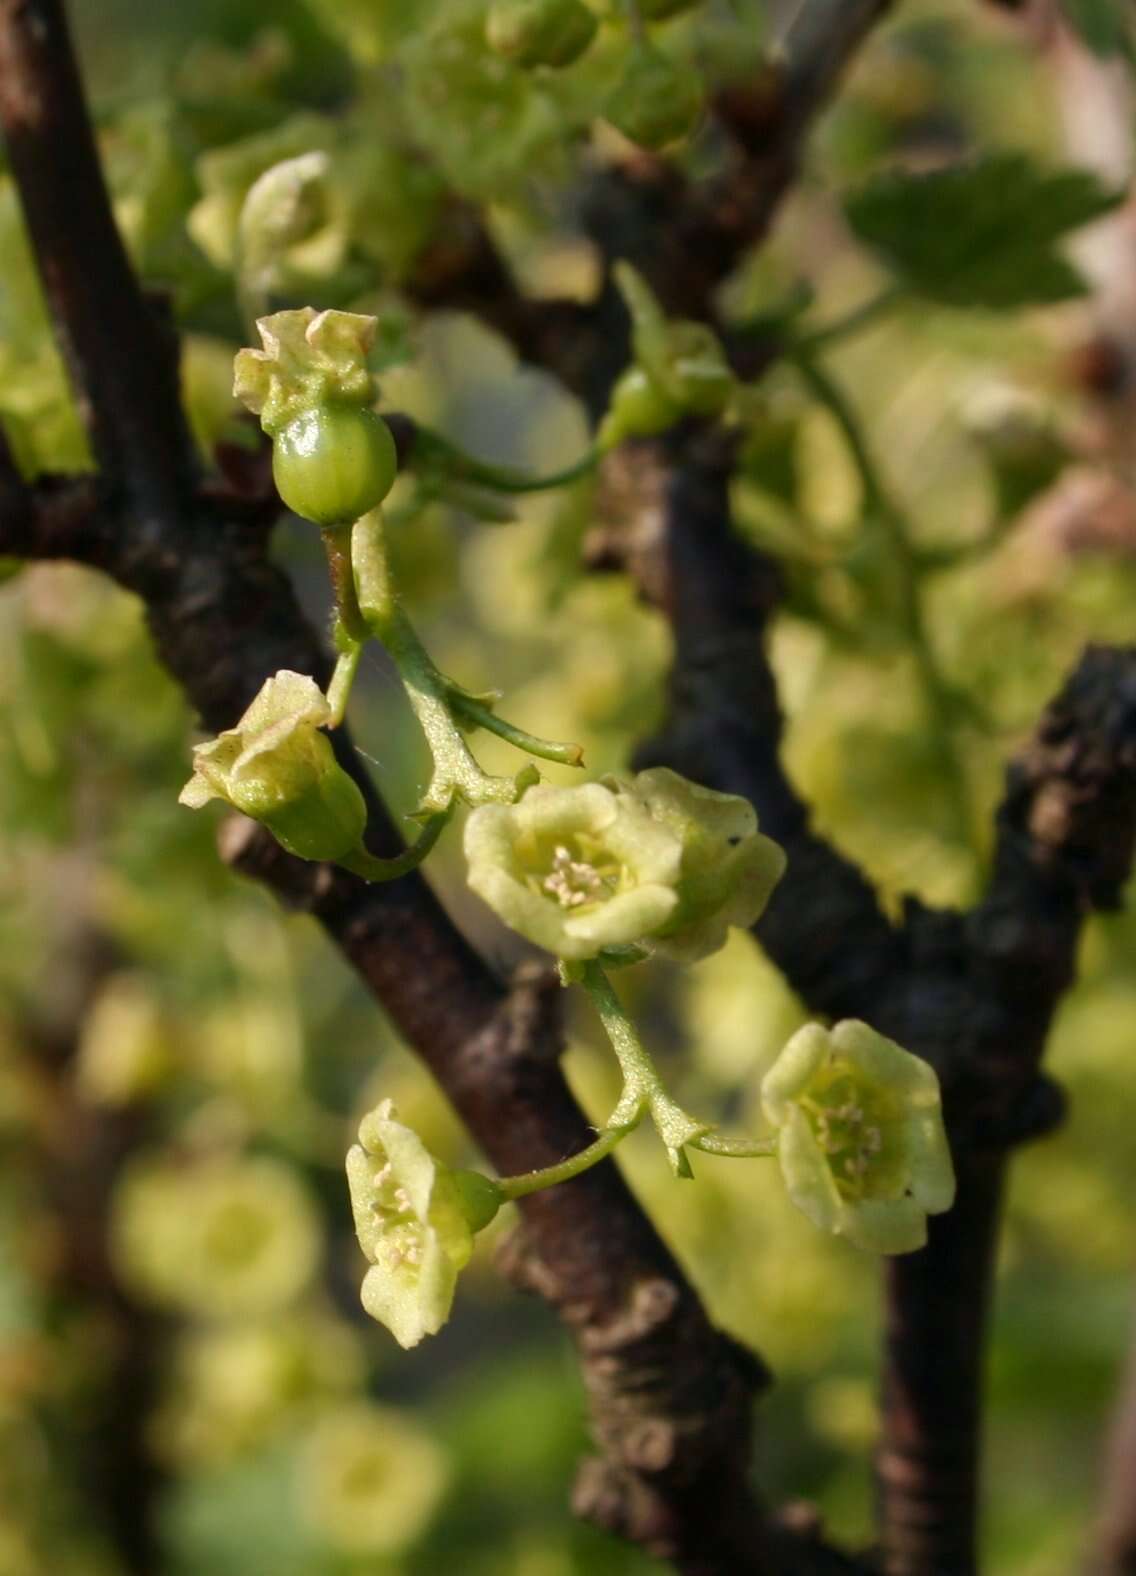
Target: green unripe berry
<point>656,101</point>
<point>334,463</point>
<point>638,409</point>
<point>540,32</point>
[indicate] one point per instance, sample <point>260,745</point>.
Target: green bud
<point>656,101</point>
<point>684,359</point>
<point>277,767</point>
<point>860,1135</point>
<point>638,409</point>
<point>334,463</point>
<point>540,32</point>
<point>415,1220</point>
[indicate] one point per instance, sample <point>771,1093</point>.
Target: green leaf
<point>1102,25</point>
<point>981,234</point>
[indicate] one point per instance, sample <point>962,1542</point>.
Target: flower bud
<point>656,101</point>
<point>540,32</point>
<point>277,767</point>
<point>638,408</point>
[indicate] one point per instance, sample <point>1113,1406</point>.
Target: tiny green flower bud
<point>415,1220</point>
<point>277,767</point>
<point>638,408</point>
<point>656,101</point>
<point>540,32</point>
<point>860,1135</point>
<point>683,359</point>
<point>334,463</point>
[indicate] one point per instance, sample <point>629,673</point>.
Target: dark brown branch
<point>980,1005</point>
<point>974,994</point>
<point>117,349</point>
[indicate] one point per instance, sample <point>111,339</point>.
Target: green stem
<point>339,690</point>
<point>938,701</point>
<point>439,452</point>
<point>642,1086</point>
<point>735,1148</point>
<point>337,546</point>
<point>534,1181</point>
<point>455,770</point>
<point>476,714</point>
<point>372,868</point>
<point>867,312</point>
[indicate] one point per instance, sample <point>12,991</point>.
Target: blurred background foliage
<point>181,1063</point>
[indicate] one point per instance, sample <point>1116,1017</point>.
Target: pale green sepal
<point>309,359</point>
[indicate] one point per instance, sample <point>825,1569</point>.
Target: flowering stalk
<point>643,1091</point>
<point>430,693</point>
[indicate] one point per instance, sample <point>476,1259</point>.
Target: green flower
<point>370,1480</point>
<point>860,1135</point>
<point>225,1238</point>
<point>574,869</point>
<point>415,1220</point>
<point>728,869</point>
<point>277,767</point>
<point>657,862</point>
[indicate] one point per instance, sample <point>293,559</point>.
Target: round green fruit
<point>334,463</point>
<point>655,101</point>
<point>540,32</point>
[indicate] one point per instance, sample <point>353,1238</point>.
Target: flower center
<point>849,1122</point>
<point>575,881</point>
<point>402,1231</point>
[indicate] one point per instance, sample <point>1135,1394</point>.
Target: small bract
<point>655,862</point>
<point>277,767</point>
<point>860,1135</point>
<point>415,1220</point>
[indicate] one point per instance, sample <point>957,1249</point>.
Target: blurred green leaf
<point>981,234</point>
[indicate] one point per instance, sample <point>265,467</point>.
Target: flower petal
<point>803,1056</point>
<point>807,1174</point>
<point>886,1063</point>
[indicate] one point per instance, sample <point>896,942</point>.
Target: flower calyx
<point>279,768</point>
<point>415,1219</point>
<point>860,1135</point>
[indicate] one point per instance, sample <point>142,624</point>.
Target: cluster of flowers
<point>602,875</point>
